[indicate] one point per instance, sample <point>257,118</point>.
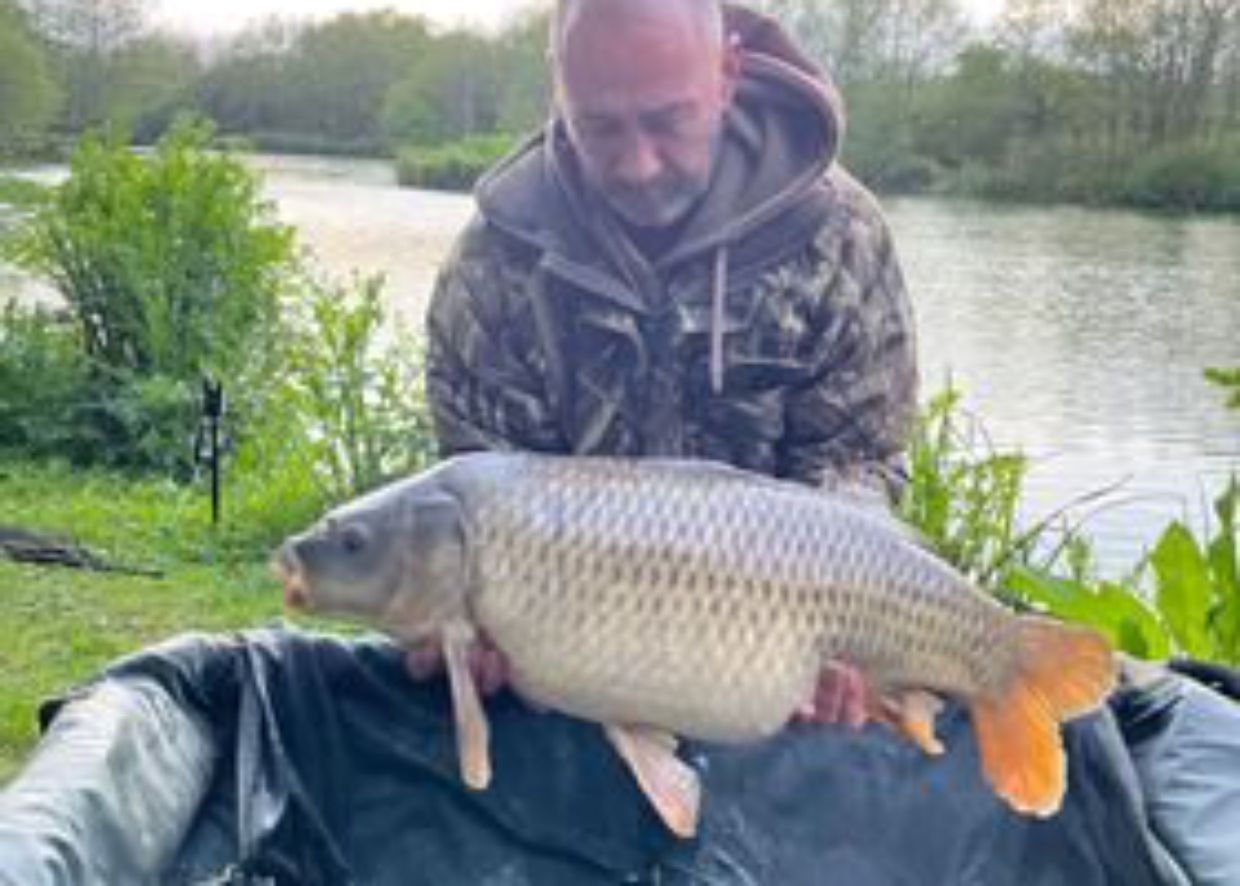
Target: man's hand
<point>840,697</point>
<point>487,664</point>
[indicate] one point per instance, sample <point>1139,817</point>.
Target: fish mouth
<point>288,571</point>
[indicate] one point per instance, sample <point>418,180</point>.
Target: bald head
<point>642,86</point>
<point>703,17</point>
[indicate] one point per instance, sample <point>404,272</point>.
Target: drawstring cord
<point>718,291</point>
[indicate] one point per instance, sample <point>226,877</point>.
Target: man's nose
<point>639,163</point>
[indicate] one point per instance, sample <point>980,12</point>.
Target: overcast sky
<point>227,16</point>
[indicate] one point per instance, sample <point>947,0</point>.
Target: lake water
<point>1078,336</point>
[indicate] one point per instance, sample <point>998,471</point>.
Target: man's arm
<point>851,421</point>
<point>485,372</point>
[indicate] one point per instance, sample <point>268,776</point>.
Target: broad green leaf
<point>1184,593</point>
<point>1111,608</point>
<point>1138,630</point>
<point>1225,571</point>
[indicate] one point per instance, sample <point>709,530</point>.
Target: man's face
<point>643,97</point>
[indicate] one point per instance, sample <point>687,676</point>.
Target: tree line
<point>1130,100</point>
<point>359,83</point>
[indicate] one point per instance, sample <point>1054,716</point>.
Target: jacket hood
<point>780,137</point>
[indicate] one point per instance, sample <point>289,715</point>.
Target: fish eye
<point>353,539</point>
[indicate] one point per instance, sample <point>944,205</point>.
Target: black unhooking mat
<point>280,757</point>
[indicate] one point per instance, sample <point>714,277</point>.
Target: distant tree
<point>87,37</point>
<point>524,83</point>
<point>1159,61</point>
<point>340,72</point>
<point>1031,30</point>
<point>1229,100</point>
<point>153,80</point>
<point>901,42</point>
<point>451,91</point>
<point>973,114</point>
<point>28,93</point>
<point>247,88</point>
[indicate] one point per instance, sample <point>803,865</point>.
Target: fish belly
<point>706,602</point>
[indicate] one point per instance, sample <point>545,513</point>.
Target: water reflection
<point>1077,335</point>
<point>1080,336</point>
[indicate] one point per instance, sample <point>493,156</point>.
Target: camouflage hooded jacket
<point>774,334</point>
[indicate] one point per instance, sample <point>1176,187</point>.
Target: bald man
<point>677,265</point>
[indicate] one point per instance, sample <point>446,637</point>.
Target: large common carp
<point>663,598</point>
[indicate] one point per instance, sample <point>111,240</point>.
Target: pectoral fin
<point>473,733</point>
<point>671,785</point>
<point>912,713</point>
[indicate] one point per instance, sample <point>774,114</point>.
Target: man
<point>677,266</point>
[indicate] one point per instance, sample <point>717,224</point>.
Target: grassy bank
<point>59,626</point>
<point>455,166</point>
<point>1178,178</point>
<point>20,193</point>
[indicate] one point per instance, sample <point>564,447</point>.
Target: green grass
<point>455,166</point>
<point>20,192</point>
<point>60,626</point>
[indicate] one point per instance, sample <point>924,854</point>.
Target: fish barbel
<point>668,597</point>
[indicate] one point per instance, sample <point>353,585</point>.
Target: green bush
<point>170,264</point>
<point>358,398</point>
<point>55,402</point>
<point>43,378</point>
<point>171,268</point>
<point>963,496</point>
<point>345,412</point>
<point>453,166</point>
<point>1186,177</point>
<point>313,143</point>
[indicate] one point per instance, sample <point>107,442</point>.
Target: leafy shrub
<point>358,399</point>
<point>171,267</point>
<point>963,496</point>
<point>344,412</point>
<point>170,264</point>
<point>43,377</point>
<point>55,402</point>
<point>453,166</point>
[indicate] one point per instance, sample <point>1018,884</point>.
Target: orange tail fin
<point>1063,672</point>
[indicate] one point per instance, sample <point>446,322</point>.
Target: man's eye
<point>596,130</point>
<point>671,122</point>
